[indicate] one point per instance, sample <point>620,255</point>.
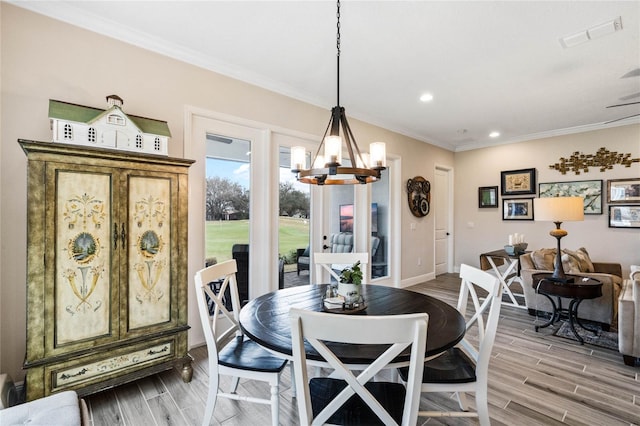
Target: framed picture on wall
<point>590,190</point>
<point>624,216</point>
<point>517,182</point>
<point>517,209</point>
<point>623,191</point>
<point>487,196</point>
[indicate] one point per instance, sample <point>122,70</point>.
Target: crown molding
<point>547,134</point>
<point>72,15</point>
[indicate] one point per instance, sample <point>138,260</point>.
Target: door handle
<point>115,235</point>
<point>123,235</point>
<point>324,247</point>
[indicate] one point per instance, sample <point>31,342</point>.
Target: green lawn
<point>222,235</point>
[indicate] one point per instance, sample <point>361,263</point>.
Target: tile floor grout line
<point>146,401</point>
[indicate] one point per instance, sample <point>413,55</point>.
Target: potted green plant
<point>349,285</point>
<point>352,275</point>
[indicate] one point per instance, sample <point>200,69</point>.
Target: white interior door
<point>443,221</point>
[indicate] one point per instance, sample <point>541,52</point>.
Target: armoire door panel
<point>80,289</point>
<point>83,256</point>
<point>149,251</point>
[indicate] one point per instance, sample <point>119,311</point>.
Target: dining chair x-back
<point>335,262</point>
<point>465,367</point>
<point>345,398</point>
<point>230,352</point>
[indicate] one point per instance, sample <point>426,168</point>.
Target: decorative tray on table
<point>337,305</point>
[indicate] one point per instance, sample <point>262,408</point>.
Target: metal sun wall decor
<point>603,158</point>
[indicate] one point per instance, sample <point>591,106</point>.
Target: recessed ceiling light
<point>426,97</point>
<point>494,134</point>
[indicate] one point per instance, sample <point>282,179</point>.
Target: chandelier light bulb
<point>333,149</point>
<point>378,155</point>
<point>298,158</point>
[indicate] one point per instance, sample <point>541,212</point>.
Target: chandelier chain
<point>338,53</point>
<point>338,29</point>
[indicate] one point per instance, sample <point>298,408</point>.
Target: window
<point>156,144</point>
<point>91,135</point>
<point>139,141</point>
<point>115,119</point>
<point>228,163</point>
<point>380,198</point>
<point>293,218</point>
<point>68,132</point>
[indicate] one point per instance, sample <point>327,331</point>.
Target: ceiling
<point>490,66</point>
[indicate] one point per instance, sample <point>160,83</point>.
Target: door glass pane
<point>380,226</point>
<point>293,230</point>
<point>228,163</point>
<point>342,209</point>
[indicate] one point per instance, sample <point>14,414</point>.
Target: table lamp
<point>558,210</point>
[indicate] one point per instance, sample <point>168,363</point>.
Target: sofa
<point>340,242</point>
<point>629,318</point>
<point>602,310</point>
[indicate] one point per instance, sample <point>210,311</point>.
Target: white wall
<point>481,230</point>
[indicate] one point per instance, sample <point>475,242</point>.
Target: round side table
<point>580,289</point>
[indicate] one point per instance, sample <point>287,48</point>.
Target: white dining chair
<point>465,367</point>
<point>334,263</point>
<point>230,352</point>
<point>347,398</point>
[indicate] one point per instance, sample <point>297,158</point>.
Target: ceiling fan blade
<point>619,105</point>
<point>631,96</point>
<point>620,119</point>
<point>630,103</point>
<point>632,73</point>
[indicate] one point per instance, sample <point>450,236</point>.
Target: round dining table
<point>265,320</point>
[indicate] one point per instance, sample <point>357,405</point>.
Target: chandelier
<point>327,169</point>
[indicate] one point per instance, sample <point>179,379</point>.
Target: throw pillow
<point>544,259</point>
<point>583,258</point>
<point>570,264</point>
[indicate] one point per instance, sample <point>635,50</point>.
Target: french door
<point>361,210</point>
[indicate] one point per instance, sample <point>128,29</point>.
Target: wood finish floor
<point>534,379</point>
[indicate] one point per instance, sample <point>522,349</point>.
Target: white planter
<point>350,292</point>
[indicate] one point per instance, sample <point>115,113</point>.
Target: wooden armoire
<point>106,267</point>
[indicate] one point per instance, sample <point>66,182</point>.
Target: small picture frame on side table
<point>518,182</point>
<point>624,216</point>
<point>623,191</point>
<point>517,209</point>
<point>487,197</point>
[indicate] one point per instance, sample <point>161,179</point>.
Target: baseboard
<point>193,345</point>
<point>417,279</point>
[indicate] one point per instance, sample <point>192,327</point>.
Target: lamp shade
<point>559,209</point>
